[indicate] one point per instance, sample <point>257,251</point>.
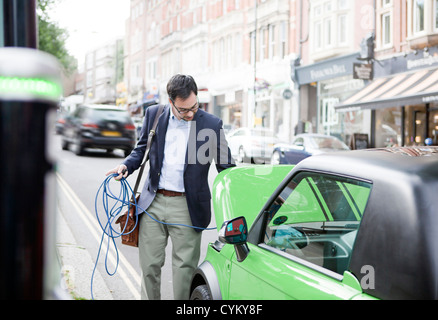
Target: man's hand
<point>121,170</point>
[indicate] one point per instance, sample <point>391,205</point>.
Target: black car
<point>99,126</point>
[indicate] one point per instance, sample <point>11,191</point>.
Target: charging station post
<point>30,88</point>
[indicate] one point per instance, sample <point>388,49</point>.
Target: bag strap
<point>148,146</point>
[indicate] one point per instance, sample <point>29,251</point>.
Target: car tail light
<point>129,127</point>
<point>90,125</point>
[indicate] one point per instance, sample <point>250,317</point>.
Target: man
<point>176,190</point>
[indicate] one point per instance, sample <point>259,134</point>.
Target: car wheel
<point>201,293</point>
<point>79,148</point>
<point>241,156</point>
<point>127,152</point>
<point>64,144</point>
<point>275,158</point>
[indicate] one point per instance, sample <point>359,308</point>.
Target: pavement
<point>77,266</point>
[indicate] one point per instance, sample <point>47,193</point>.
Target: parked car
<point>359,224</point>
<point>252,145</point>
<point>304,145</point>
<point>99,126</point>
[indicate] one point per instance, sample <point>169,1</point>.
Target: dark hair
<point>181,86</point>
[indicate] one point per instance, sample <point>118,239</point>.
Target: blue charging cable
<point>112,212</point>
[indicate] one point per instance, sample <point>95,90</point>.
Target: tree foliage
<point>52,38</point>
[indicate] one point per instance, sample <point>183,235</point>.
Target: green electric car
<point>349,225</point>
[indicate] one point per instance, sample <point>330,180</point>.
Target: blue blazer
<point>207,132</point>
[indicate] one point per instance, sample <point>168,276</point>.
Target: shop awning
<point>403,89</point>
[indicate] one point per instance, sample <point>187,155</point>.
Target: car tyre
<point>79,148</point>
<point>201,293</point>
<point>241,156</point>
<point>64,144</point>
<point>127,152</point>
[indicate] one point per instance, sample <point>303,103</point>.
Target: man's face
<point>185,109</point>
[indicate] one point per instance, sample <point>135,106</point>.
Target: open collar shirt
<point>175,148</point>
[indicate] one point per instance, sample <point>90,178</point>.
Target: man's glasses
<point>194,108</point>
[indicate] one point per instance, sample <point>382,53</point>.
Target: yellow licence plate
<point>111,134</point>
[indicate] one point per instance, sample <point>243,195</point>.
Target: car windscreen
<point>262,133</point>
<point>328,143</point>
<point>97,115</point>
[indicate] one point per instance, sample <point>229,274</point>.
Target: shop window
<point>388,127</point>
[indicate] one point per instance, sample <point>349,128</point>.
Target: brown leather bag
<point>130,235</point>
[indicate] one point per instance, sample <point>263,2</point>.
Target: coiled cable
<point>112,211</point>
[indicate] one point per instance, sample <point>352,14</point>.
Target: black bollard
<point>30,88</point>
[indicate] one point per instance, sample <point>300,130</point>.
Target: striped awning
<point>403,89</point>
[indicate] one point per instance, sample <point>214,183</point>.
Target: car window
<point>299,142</point>
<point>77,113</point>
<point>108,115</point>
<point>316,218</point>
<point>328,143</point>
<point>239,133</point>
<point>262,133</point>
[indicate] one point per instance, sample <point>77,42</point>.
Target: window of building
<point>328,32</point>
<point>418,16</point>
<point>271,41</point>
<point>229,50</point>
<point>283,37</point>
<point>386,29</point>
<point>252,36</point>
<point>318,35</point>
<point>263,44</point>
<point>384,24</point>
<point>342,29</point>
<point>238,49</point>
<point>151,70</point>
<point>386,3</point>
<point>222,53</point>
<point>435,7</point>
<point>329,28</point>
<point>342,4</point>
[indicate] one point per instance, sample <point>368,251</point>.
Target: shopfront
<point>402,99</point>
<point>228,107</point>
<point>324,85</point>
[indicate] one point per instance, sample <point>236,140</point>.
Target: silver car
<point>252,145</point>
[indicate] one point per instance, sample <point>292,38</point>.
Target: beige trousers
<point>153,238</point>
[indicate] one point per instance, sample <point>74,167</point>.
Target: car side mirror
<point>235,232</point>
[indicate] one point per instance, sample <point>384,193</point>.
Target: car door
<point>236,140</point>
<point>305,241</point>
<point>297,151</point>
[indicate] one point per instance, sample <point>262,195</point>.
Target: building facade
<point>238,51</point>
<point>331,33</point>
<point>402,97</point>
<point>102,71</point>
<point>294,65</point>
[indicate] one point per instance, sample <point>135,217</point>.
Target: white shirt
<point>175,148</point>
